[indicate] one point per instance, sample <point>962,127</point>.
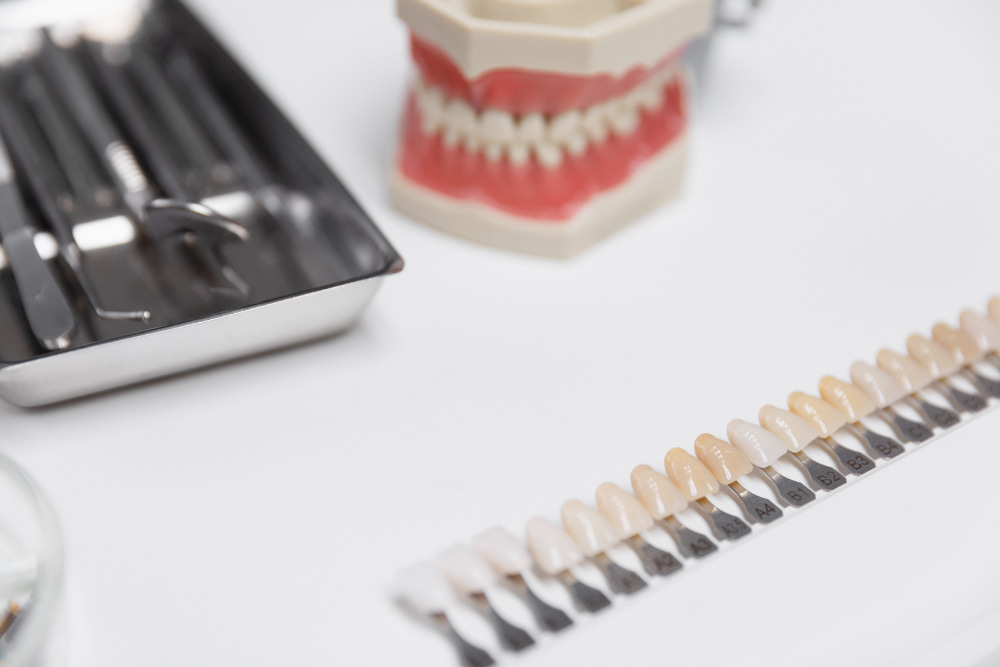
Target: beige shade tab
<point>960,344</point>
<point>622,510</point>
<point>934,357</point>
<point>552,548</point>
<point>851,401</point>
<point>656,492</point>
<point>588,528</point>
<point>818,413</point>
<point>721,457</point>
<point>904,370</point>
<point>793,430</point>
<point>689,474</point>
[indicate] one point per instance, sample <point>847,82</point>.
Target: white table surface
<point>842,194</point>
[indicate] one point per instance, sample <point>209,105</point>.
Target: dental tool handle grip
<point>105,137</point>
<point>218,120</point>
<point>81,98</point>
<point>49,313</point>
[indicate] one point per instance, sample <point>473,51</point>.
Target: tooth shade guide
<point>852,402</point>
<point>985,332</point>
<point>726,463</point>
<point>511,560</point>
<point>819,414</point>
<point>961,345</point>
<point>664,502</point>
<point>933,356</point>
<point>503,551</point>
<point>966,350</point>
<point>940,365</point>
<point>630,520</point>
<point>905,370</point>
<point>994,309</point>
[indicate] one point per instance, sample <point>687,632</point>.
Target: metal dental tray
<point>266,249</point>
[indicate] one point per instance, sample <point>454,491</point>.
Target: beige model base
<point>624,35</point>
<point>657,181</point>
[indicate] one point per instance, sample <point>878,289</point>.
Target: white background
<point>842,194</point>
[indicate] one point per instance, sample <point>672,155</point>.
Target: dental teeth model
<point>894,392</point>
<point>542,126</point>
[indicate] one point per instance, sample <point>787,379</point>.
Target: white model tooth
<point>548,155</point>
<point>565,126</point>
<point>531,128</point>
<point>493,152</point>
<point>503,551</point>
<point>431,102</point>
<point>518,154</point>
<point>471,144</point>
<point>496,127</point>
<point>649,95</point>
<point>624,120</point>
<point>465,569</point>
<point>577,144</point>
<point>449,137</point>
<point>595,123</point>
<point>668,74</point>
<point>460,119</point>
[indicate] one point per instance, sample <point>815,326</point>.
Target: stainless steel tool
<point>49,312</point>
<point>147,234</point>
<point>34,171</point>
<point>305,246</point>
<point>197,226</point>
<point>210,170</point>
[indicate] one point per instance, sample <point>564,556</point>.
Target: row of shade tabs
<point>910,396</point>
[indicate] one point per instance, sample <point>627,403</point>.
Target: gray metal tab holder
<point>287,304</point>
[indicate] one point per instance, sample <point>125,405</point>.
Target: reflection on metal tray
<point>160,214</point>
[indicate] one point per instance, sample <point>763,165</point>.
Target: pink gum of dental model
<point>542,126</point>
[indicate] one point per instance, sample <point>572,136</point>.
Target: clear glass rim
<point>33,626</point>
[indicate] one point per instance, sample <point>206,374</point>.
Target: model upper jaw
<point>516,132</point>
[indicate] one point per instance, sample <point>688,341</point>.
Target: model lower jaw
<point>540,182</point>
